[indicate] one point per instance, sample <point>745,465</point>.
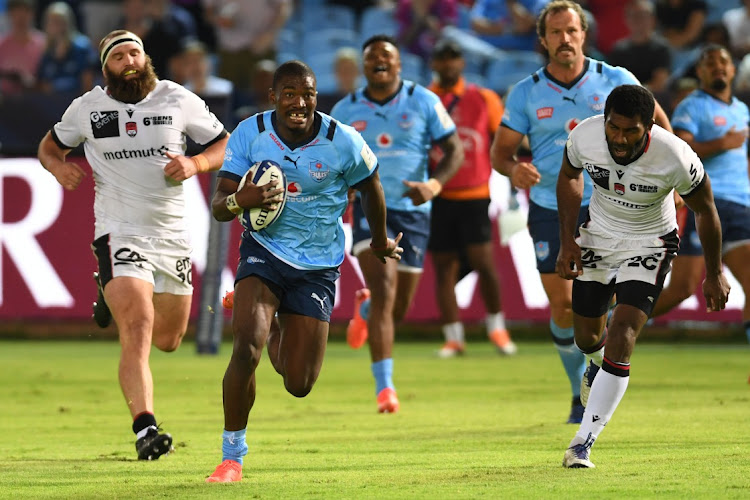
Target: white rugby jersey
<point>634,200</point>
<point>125,144</point>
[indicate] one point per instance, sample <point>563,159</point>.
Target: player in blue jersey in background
<point>714,123</point>
<point>401,121</point>
<point>546,106</point>
<point>291,266</point>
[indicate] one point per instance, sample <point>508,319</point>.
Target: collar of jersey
<point>317,122</point>
<point>367,96</point>
<point>458,89</point>
<point>570,85</point>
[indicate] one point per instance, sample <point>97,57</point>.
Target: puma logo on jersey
<point>291,161</point>
<point>571,99</point>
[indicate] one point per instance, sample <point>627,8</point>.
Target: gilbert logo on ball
<point>261,173</point>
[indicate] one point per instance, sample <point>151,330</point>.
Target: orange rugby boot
<point>387,401</point>
<point>228,471</point>
<point>503,343</point>
<point>228,301</point>
<point>451,349</point>
<point>356,331</point>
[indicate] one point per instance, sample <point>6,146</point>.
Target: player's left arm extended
<point>569,196</point>
<point>453,157</point>
<point>715,287</point>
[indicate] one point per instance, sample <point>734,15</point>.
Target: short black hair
<point>379,38</point>
<point>712,47</point>
<point>631,101</point>
<point>292,68</point>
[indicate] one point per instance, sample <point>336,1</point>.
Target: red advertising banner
<point>46,261</point>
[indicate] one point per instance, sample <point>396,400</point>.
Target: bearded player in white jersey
<point>627,245</point>
<point>134,134</point>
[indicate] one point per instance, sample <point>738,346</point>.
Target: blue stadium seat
<point>412,68</point>
<point>377,20</point>
<point>322,64</point>
<point>475,78</point>
<point>327,40</point>
<point>319,17</point>
<point>512,67</point>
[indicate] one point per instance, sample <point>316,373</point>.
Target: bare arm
<point>715,286</point>
<point>569,196</point>
<point>453,157</point>
<point>373,204</point>
<point>522,175</point>
<point>181,167</point>
<point>731,140</point>
<point>52,158</point>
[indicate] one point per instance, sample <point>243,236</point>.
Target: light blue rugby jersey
<point>708,118</point>
<point>546,111</point>
<point>401,132</point>
<point>309,233</point>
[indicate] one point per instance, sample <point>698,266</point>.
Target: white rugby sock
<point>494,322</point>
<point>606,393</point>
<point>454,332</point>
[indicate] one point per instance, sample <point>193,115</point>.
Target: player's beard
<point>131,90</point>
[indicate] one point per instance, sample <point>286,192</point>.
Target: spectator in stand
<point>68,63</point>
<point>644,52</point>
<point>681,21</point>
<point>421,22</point>
<point>170,29</point>
<point>498,25</point>
<point>246,32</point>
<point>21,49</point>
<point>477,113</point>
<point>359,6</point>
<point>193,68</point>
<point>610,15</point>
<point>346,70</point>
<point>737,22</point>
<point>203,29</point>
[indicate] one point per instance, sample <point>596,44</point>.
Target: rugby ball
<point>259,174</point>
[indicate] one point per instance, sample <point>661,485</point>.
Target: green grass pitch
<point>482,426</point>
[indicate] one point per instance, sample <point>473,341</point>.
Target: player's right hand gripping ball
<point>259,174</point>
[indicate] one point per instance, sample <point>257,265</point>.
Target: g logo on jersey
<point>105,124</point>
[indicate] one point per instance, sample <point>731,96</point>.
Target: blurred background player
<point>21,49</point>
<point>460,228</point>
<point>546,106</point>
<point>628,243</point>
<point>291,266</point>
<point>141,239</point>
<point>714,123</point>
<point>401,120</point>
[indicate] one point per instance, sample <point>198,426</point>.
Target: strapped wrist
<point>201,163</point>
<point>232,204</point>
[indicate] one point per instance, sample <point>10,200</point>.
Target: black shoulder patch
<point>331,130</point>
<point>353,97</point>
<point>411,89</point>
<point>535,77</point>
<point>261,124</point>
<point>599,67</point>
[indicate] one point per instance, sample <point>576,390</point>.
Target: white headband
<point>125,37</point>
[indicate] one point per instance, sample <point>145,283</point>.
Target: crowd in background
<point>231,48</point>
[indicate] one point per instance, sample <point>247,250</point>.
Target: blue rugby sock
<point>383,372</point>
<point>572,358</point>
<point>364,309</point>
<point>233,445</point>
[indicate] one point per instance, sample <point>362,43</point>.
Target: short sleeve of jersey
<point>237,159</point>
<point>68,130</point>
<point>201,124</point>
<point>358,160</point>
<point>621,76</point>
<point>571,150</point>
<point>515,116</point>
<point>690,174</point>
<point>439,121</point>
<point>682,117</point>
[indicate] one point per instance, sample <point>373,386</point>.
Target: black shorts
<point>456,224</point>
